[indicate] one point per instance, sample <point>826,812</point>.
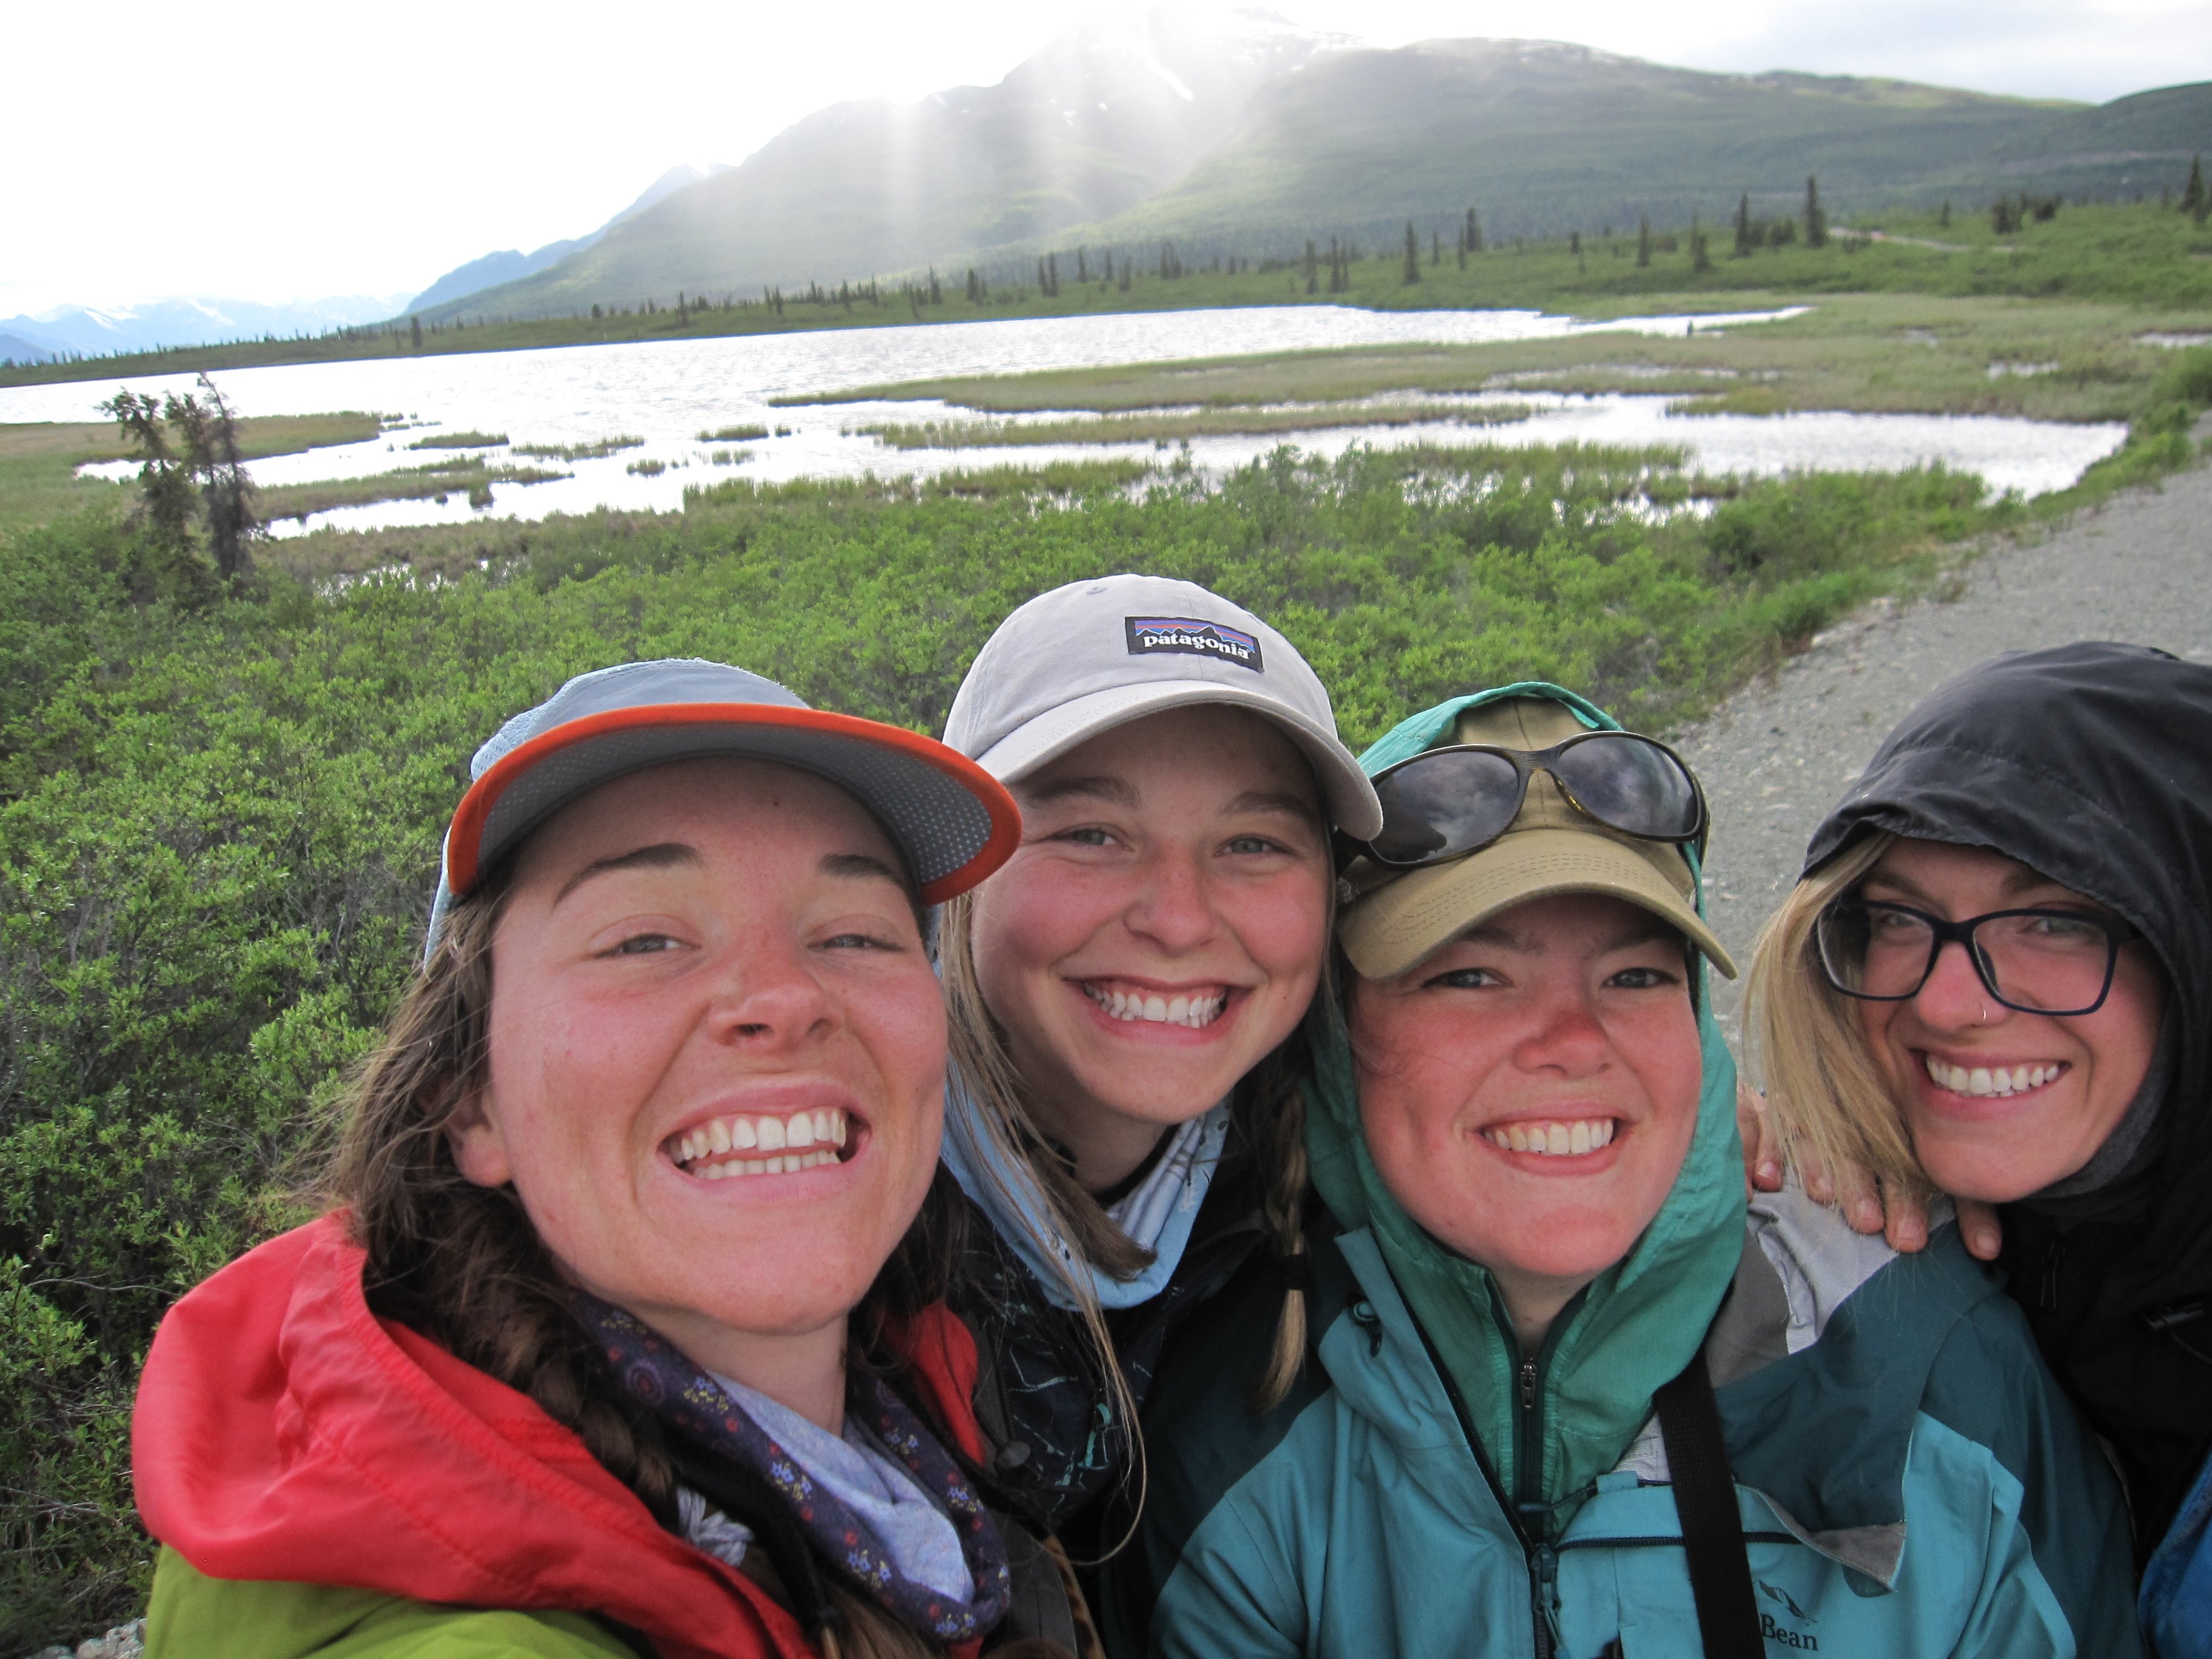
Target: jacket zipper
<point>1532,1515</point>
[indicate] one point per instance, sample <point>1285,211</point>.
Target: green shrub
<point>219,814</point>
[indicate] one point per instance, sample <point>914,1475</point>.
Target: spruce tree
<point>1436,249</point>
<point>1126,276</point>
<point>2193,202</point>
<point>1044,282</point>
<point>1082,268</point>
<point>1313,267</point>
<point>1943,217</point>
<point>1474,233</point>
<point>1413,253</point>
<point>1701,255</point>
<point>1742,227</point>
<point>415,332</point>
<point>1816,221</point>
<point>1644,241</point>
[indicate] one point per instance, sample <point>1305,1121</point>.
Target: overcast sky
<point>274,152</point>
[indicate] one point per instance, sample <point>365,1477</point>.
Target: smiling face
<point>1528,1090</point>
<point>2067,1080</point>
<point>717,1054</point>
<point>1161,929</point>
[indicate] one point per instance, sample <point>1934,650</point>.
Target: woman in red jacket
<point>622,1332</point>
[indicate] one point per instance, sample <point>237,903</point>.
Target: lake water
<point>667,391</point>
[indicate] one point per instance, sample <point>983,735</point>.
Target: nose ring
<point>1985,1019</point>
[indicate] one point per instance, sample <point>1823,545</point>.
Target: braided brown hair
<point>462,1264</point>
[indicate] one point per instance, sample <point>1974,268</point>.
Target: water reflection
<point>668,392</point>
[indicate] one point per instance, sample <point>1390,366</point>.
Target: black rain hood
<point>2091,763</point>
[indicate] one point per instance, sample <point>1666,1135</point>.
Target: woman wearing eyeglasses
<point>1992,983</point>
<point>1567,1399</point>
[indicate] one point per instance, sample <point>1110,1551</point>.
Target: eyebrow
<point>1116,790</point>
<point>1644,930</point>
<point>860,867</point>
<point>1272,800</point>
<point>661,855</point>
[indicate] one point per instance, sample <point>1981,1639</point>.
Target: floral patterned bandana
<point>689,1400</point>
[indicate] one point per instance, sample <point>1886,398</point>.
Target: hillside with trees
<point>1240,136</point>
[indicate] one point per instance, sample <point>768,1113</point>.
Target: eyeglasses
<point>1444,804</point>
<point>2040,962</point>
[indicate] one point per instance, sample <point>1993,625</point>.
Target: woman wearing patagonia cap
<point>1125,997</point>
<point>2050,812</point>
<point>622,1333</point>
<point>1567,1399</point>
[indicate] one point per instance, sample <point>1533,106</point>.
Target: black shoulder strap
<point>1712,1527</point>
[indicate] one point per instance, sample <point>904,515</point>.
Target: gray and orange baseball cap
<point>952,821</point>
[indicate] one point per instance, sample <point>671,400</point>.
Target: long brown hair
<point>1267,1110</point>
<point>462,1264</point>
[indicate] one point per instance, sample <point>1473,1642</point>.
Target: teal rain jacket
<point>1909,1479</point>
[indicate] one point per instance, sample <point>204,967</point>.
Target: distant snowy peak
<point>96,329</point>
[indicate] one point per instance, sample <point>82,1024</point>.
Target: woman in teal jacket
<point>1567,1397</point>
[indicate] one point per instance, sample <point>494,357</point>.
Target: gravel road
<point>1780,753</point>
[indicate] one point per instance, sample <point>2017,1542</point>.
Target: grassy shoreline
<point>39,459</point>
<point>1871,353</point>
<point>2137,255</point>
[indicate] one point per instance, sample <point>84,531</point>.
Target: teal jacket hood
<point>1631,1330</point>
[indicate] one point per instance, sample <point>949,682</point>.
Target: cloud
<point>266,150</point>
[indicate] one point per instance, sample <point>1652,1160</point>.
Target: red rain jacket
<point>284,1431</point>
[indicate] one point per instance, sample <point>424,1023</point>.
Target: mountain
<point>1543,138</point>
<point>1234,131</point>
<point>93,332</point>
<point>510,265</point>
<point>16,348</point>
<point>1098,120</point>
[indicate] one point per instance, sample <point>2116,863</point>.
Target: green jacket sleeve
<point>1231,1594</point>
<point>195,1617</point>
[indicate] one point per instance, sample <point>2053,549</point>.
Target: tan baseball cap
<point>1392,919</point>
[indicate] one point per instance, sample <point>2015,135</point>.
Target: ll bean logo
<point>1779,1633</point>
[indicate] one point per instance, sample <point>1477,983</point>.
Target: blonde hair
<point>1804,1041</point>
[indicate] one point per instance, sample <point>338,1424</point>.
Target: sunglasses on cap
<point>1444,804</point>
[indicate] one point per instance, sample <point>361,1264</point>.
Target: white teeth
<point>1575,1139</point>
<point>822,1129</point>
<point>1998,1082</point>
<point>1195,1012</point>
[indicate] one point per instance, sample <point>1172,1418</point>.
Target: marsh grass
<point>1883,353</point>
<point>460,441</point>
<point>590,452</point>
<point>1166,426</point>
<point>734,434</point>
<point>433,482</point>
<point>39,460</point>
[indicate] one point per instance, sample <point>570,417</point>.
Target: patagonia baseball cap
<point>1095,654</point>
<point>1392,920</point>
<point>952,820</point>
